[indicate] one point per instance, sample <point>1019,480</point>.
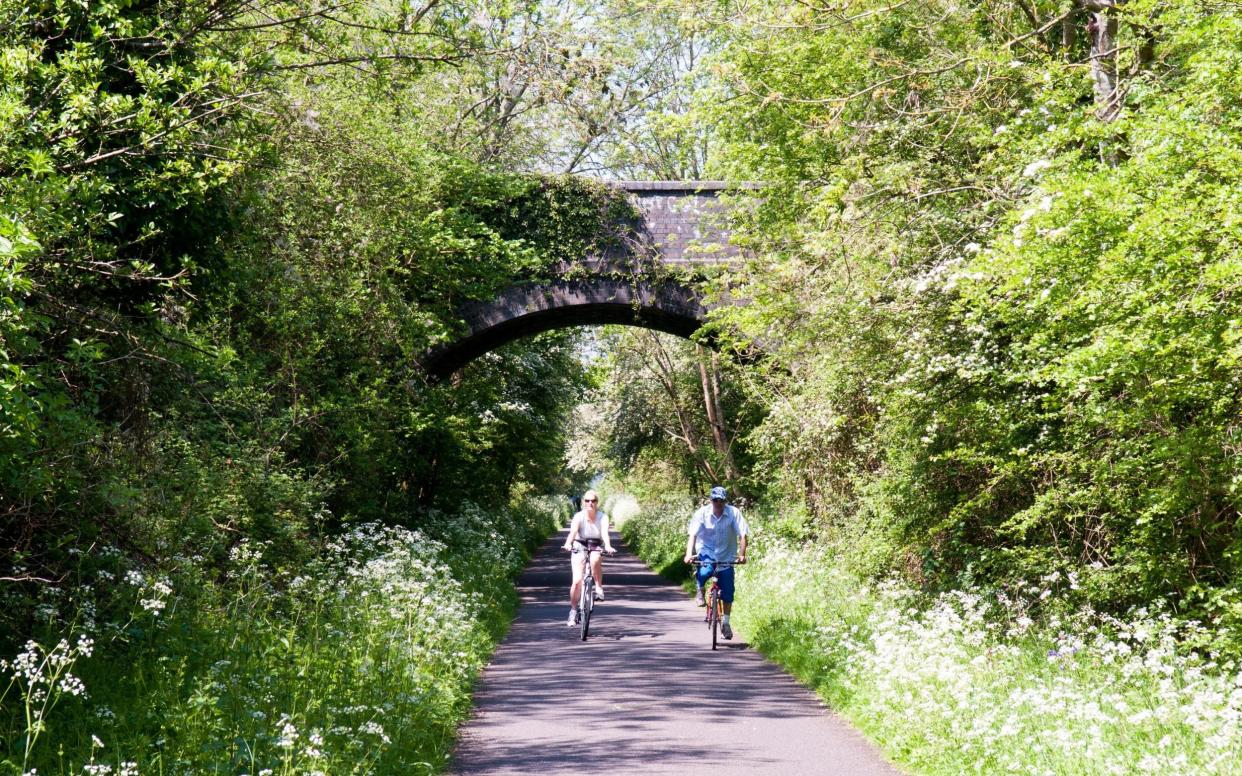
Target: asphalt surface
<point>645,694</point>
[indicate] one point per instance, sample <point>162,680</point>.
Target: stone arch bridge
<point>682,225</point>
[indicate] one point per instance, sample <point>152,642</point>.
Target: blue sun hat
<point>719,492</point>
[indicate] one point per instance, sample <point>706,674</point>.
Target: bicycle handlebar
<point>591,548</point>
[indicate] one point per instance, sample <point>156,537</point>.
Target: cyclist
<point>717,534</point>
<point>588,534</point>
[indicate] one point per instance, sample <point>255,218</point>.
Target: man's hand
<point>741,558</point>
<point>689,558</point>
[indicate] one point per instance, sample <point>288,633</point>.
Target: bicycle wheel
<point>586,604</point>
<point>713,613</point>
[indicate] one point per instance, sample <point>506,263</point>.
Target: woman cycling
<point>588,532</point>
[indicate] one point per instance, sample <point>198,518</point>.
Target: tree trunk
<point>666,374</point>
<point>1102,28</point>
<point>715,413</point>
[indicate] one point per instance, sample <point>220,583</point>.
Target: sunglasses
<point>591,500</point>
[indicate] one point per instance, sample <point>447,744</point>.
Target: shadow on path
<point>645,694</point>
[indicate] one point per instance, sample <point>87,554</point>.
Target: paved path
<point>645,694</point>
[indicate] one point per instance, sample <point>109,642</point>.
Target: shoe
<point>599,594</point>
<point>698,599</point>
<point>573,618</point>
<point>725,630</point>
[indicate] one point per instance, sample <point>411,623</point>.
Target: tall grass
<point>1022,680</point>
<point>359,662</point>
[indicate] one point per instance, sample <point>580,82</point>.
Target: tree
<point>937,193</point>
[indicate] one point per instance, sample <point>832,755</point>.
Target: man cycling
<point>717,534</point>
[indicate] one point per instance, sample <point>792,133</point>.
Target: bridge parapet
<point>684,222</point>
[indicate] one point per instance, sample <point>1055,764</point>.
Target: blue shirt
<point>717,537</point>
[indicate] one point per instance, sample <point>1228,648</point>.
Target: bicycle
<point>715,607</point>
<point>586,598</point>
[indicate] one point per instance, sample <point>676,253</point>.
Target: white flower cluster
<point>246,554</point>
<point>396,620</point>
<point>378,640</point>
<point>373,728</point>
<point>153,594</point>
<point>978,679</point>
<point>127,768</point>
<point>42,675</point>
<point>157,595</point>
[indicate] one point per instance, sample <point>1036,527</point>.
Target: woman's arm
<point>603,526</point>
<point>573,533</point>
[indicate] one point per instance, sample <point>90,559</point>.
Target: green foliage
<point>17,411</point>
<point>220,262</point>
<point>652,420</point>
<point>358,660</point>
<point>200,294</point>
<point>110,147</point>
<point>378,239</point>
<point>119,121</point>
<point>657,534</point>
<point>1002,331</point>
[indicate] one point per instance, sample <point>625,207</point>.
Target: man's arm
<point>691,529</point>
<point>743,532</point>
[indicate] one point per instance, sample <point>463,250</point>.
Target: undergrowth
<point>359,662</point>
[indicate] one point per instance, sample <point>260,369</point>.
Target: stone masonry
<point>683,220</point>
<point>682,225</point>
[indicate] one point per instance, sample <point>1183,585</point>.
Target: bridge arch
<point>680,228</point>
<point>525,310</point>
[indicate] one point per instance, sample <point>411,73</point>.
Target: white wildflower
<point>288,733</point>
<point>1035,168</point>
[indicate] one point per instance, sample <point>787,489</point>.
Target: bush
<point>657,534</point>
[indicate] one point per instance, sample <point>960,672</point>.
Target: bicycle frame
<point>715,607</point>
<point>586,598</point>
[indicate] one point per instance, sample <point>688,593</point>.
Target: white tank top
<point>590,530</point>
